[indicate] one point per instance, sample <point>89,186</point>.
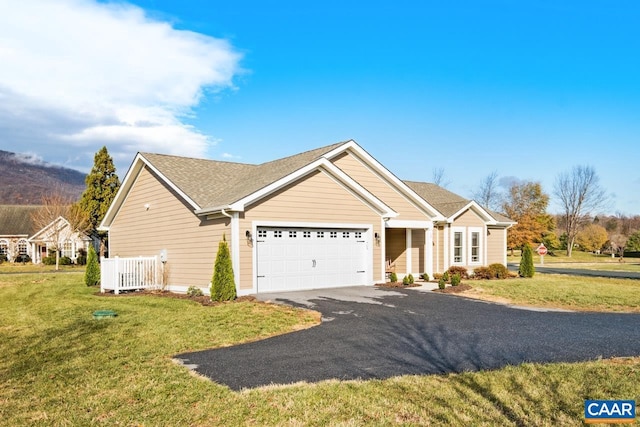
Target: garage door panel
<point>305,258</point>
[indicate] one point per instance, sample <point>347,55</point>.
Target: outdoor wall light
<point>377,237</point>
<point>248,236</point>
<point>147,206</point>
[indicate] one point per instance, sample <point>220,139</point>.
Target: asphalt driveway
<point>369,332</point>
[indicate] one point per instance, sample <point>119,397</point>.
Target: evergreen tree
<point>223,286</point>
<point>526,262</point>
<point>102,185</point>
<point>92,272</point>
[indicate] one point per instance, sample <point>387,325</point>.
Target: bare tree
<point>54,205</point>
<point>580,195</point>
<point>439,178</point>
<point>488,194</point>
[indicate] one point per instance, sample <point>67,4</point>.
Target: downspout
<point>225,214</point>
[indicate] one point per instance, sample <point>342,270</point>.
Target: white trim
<point>470,231</point>
<point>463,234</point>
<point>472,205</point>
<point>445,243</point>
<point>398,223</point>
<point>428,252</point>
<point>255,224</point>
<point>390,177</point>
<point>332,170</point>
<point>504,252</point>
<point>133,172</point>
<point>383,251</point>
<point>409,257</point>
<point>235,248</point>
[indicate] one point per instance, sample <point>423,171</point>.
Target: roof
<point>446,202</point>
<point>15,220</point>
<point>195,177</point>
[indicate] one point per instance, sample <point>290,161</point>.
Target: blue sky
<point>526,89</point>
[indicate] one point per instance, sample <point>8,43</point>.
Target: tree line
<point>580,196</point>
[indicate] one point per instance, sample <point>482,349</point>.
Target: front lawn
<point>61,367</point>
<point>562,291</point>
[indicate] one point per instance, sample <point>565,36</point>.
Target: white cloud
<point>77,74</point>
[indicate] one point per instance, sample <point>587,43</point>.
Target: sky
<point>528,89</point>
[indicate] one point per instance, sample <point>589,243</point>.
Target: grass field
<point>60,367</point>
<point>562,291</point>
<point>584,260</point>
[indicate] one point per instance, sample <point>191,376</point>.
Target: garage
<point>295,258</point>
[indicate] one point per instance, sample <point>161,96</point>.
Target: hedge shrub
<point>456,269</point>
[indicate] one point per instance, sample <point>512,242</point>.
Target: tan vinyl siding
<point>468,219</point>
<point>396,239</point>
<point>379,187</point>
<point>191,242</point>
<point>317,198</point>
<point>496,245</point>
<point>418,254</point>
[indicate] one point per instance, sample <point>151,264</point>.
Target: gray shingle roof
<point>15,220</point>
<point>446,202</point>
<point>212,183</point>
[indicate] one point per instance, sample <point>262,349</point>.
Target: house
<point>59,235</point>
<point>15,228</point>
<point>21,241</point>
<point>333,216</point>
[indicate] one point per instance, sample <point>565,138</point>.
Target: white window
<point>457,247</point>
<point>306,234</point>
<point>320,234</point>
<point>293,234</point>
<point>22,247</point>
<point>475,245</point>
<point>277,233</point>
<point>4,247</point>
<point>67,249</point>
<point>333,234</point>
<point>262,233</point>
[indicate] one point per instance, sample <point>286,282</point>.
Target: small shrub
<point>456,269</point>
<point>393,277</point>
<point>425,277</point>
<point>526,262</point>
<point>441,283</point>
<point>64,260</point>
<point>49,260</point>
<point>3,258</point>
<point>498,271</point>
<point>92,272</point>
<point>406,281</point>
<point>446,277</point>
<point>493,271</point>
<point>437,276</point>
<point>223,285</point>
<point>411,279</point>
<point>81,260</point>
<point>455,279</point>
<point>194,291</point>
<point>23,258</point>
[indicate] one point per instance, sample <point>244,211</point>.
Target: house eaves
<point>397,183</point>
<point>324,165</point>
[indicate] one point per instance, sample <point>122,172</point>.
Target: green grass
<point>582,260</point>
<point>28,267</point>
<point>60,367</point>
<point>561,291</point>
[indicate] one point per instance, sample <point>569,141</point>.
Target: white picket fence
<point>125,274</point>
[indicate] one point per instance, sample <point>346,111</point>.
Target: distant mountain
<point>23,180</point>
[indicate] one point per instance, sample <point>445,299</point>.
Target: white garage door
<point>310,258</point>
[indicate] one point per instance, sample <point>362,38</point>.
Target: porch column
<point>428,251</point>
<point>408,251</point>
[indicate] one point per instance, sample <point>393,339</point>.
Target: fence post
<point>116,270</point>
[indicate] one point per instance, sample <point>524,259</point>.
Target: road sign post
<point>542,251</point>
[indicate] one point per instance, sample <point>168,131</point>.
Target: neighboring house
<point>329,217</point>
<point>20,239</point>
<point>15,228</point>
<point>58,235</point>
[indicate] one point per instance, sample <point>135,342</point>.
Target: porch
<point>408,251</point>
